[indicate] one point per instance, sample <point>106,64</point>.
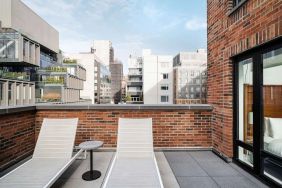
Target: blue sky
<point>165,26</point>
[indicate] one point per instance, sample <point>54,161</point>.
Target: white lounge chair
<point>52,156</point>
<point>134,164</point>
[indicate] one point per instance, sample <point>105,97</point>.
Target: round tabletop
<point>90,145</point>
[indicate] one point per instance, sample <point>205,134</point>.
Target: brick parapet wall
<point>171,128</point>
<point>254,23</point>
<point>17,137</point>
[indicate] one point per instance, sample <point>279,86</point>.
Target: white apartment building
<point>104,51</point>
<point>135,80</point>
<point>157,78</point>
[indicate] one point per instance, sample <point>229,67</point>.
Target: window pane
<point>245,156</point>
<point>164,98</point>
<point>272,102</point>
<point>245,89</point>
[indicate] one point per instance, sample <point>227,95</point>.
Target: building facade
<point>157,78</point>
<point>21,51</point>
<point>59,81</point>
<point>116,70</point>
<point>102,86</point>
<point>124,88</point>
<point>135,80</point>
<point>190,77</point>
<point>87,60</point>
<point>104,51</point>
<point>244,83</point>
<point>97,85</point>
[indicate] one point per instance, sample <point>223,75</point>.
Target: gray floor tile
<point>197,182</point>
<point>205,156</point>
<point>187,169</point>
<point>178,157</point>
<point>234,182</point>
<point>249,176</point>
<point>219,169</point>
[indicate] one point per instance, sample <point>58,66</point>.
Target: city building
<point>87,61</point>
<point>59,81</point>
<point>103,92</point>
<point>135,80</point>
<point>97,84</point>
<point>245,83</point>
<point>31,69</point>
<point>157,78</point>
<point>22,48</point>
<point>190,77</point>
<point>116,70</point>
<point>124,88</point>
<point>104,51</point>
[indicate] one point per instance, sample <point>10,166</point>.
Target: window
<point>164,87</point>
<point>164,98</point>
<point>165,76</point>
<point>258,111</point>
<point>272,112</point>
<point>236,2</point>
<point>1,91</point>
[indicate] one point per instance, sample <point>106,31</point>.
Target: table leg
<point>92,174</point>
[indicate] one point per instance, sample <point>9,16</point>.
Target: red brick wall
<point>254,23</point>
<point>172,128</point>
<point>17,137</point>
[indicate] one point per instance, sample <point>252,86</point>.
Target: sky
<point>164,26</point>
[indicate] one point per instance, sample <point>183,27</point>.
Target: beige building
<point>190,77</point>
<point>104,51</point>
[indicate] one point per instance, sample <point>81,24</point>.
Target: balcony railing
<point>70,61</point>
<point>53,69</point>
<point>15,76</point>
<point>51,80</point>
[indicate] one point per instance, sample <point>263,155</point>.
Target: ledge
<point>16,109</point>
<point>123,107</point>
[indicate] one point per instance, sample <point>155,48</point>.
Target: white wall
<point>272,75</point>
<point>153,78</point>
<point>102,50</point>
<point>150,79</point>
<point>16,15</point>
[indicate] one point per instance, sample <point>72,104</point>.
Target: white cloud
<point>196,24</point>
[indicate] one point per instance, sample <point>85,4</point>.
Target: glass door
<point>258,111</point>
<point>272,115</point>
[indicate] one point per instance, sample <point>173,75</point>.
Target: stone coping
<point>15,109</point>
<point>124,107</point>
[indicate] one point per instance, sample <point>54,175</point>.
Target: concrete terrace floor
<point>184,169</point>
<point>201,169</point>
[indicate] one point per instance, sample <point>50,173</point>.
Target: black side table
<point>90,146</point>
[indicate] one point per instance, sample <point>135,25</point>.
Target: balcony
<point>134,73</point>
<point>133,83</point>
<point>182,141</point>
